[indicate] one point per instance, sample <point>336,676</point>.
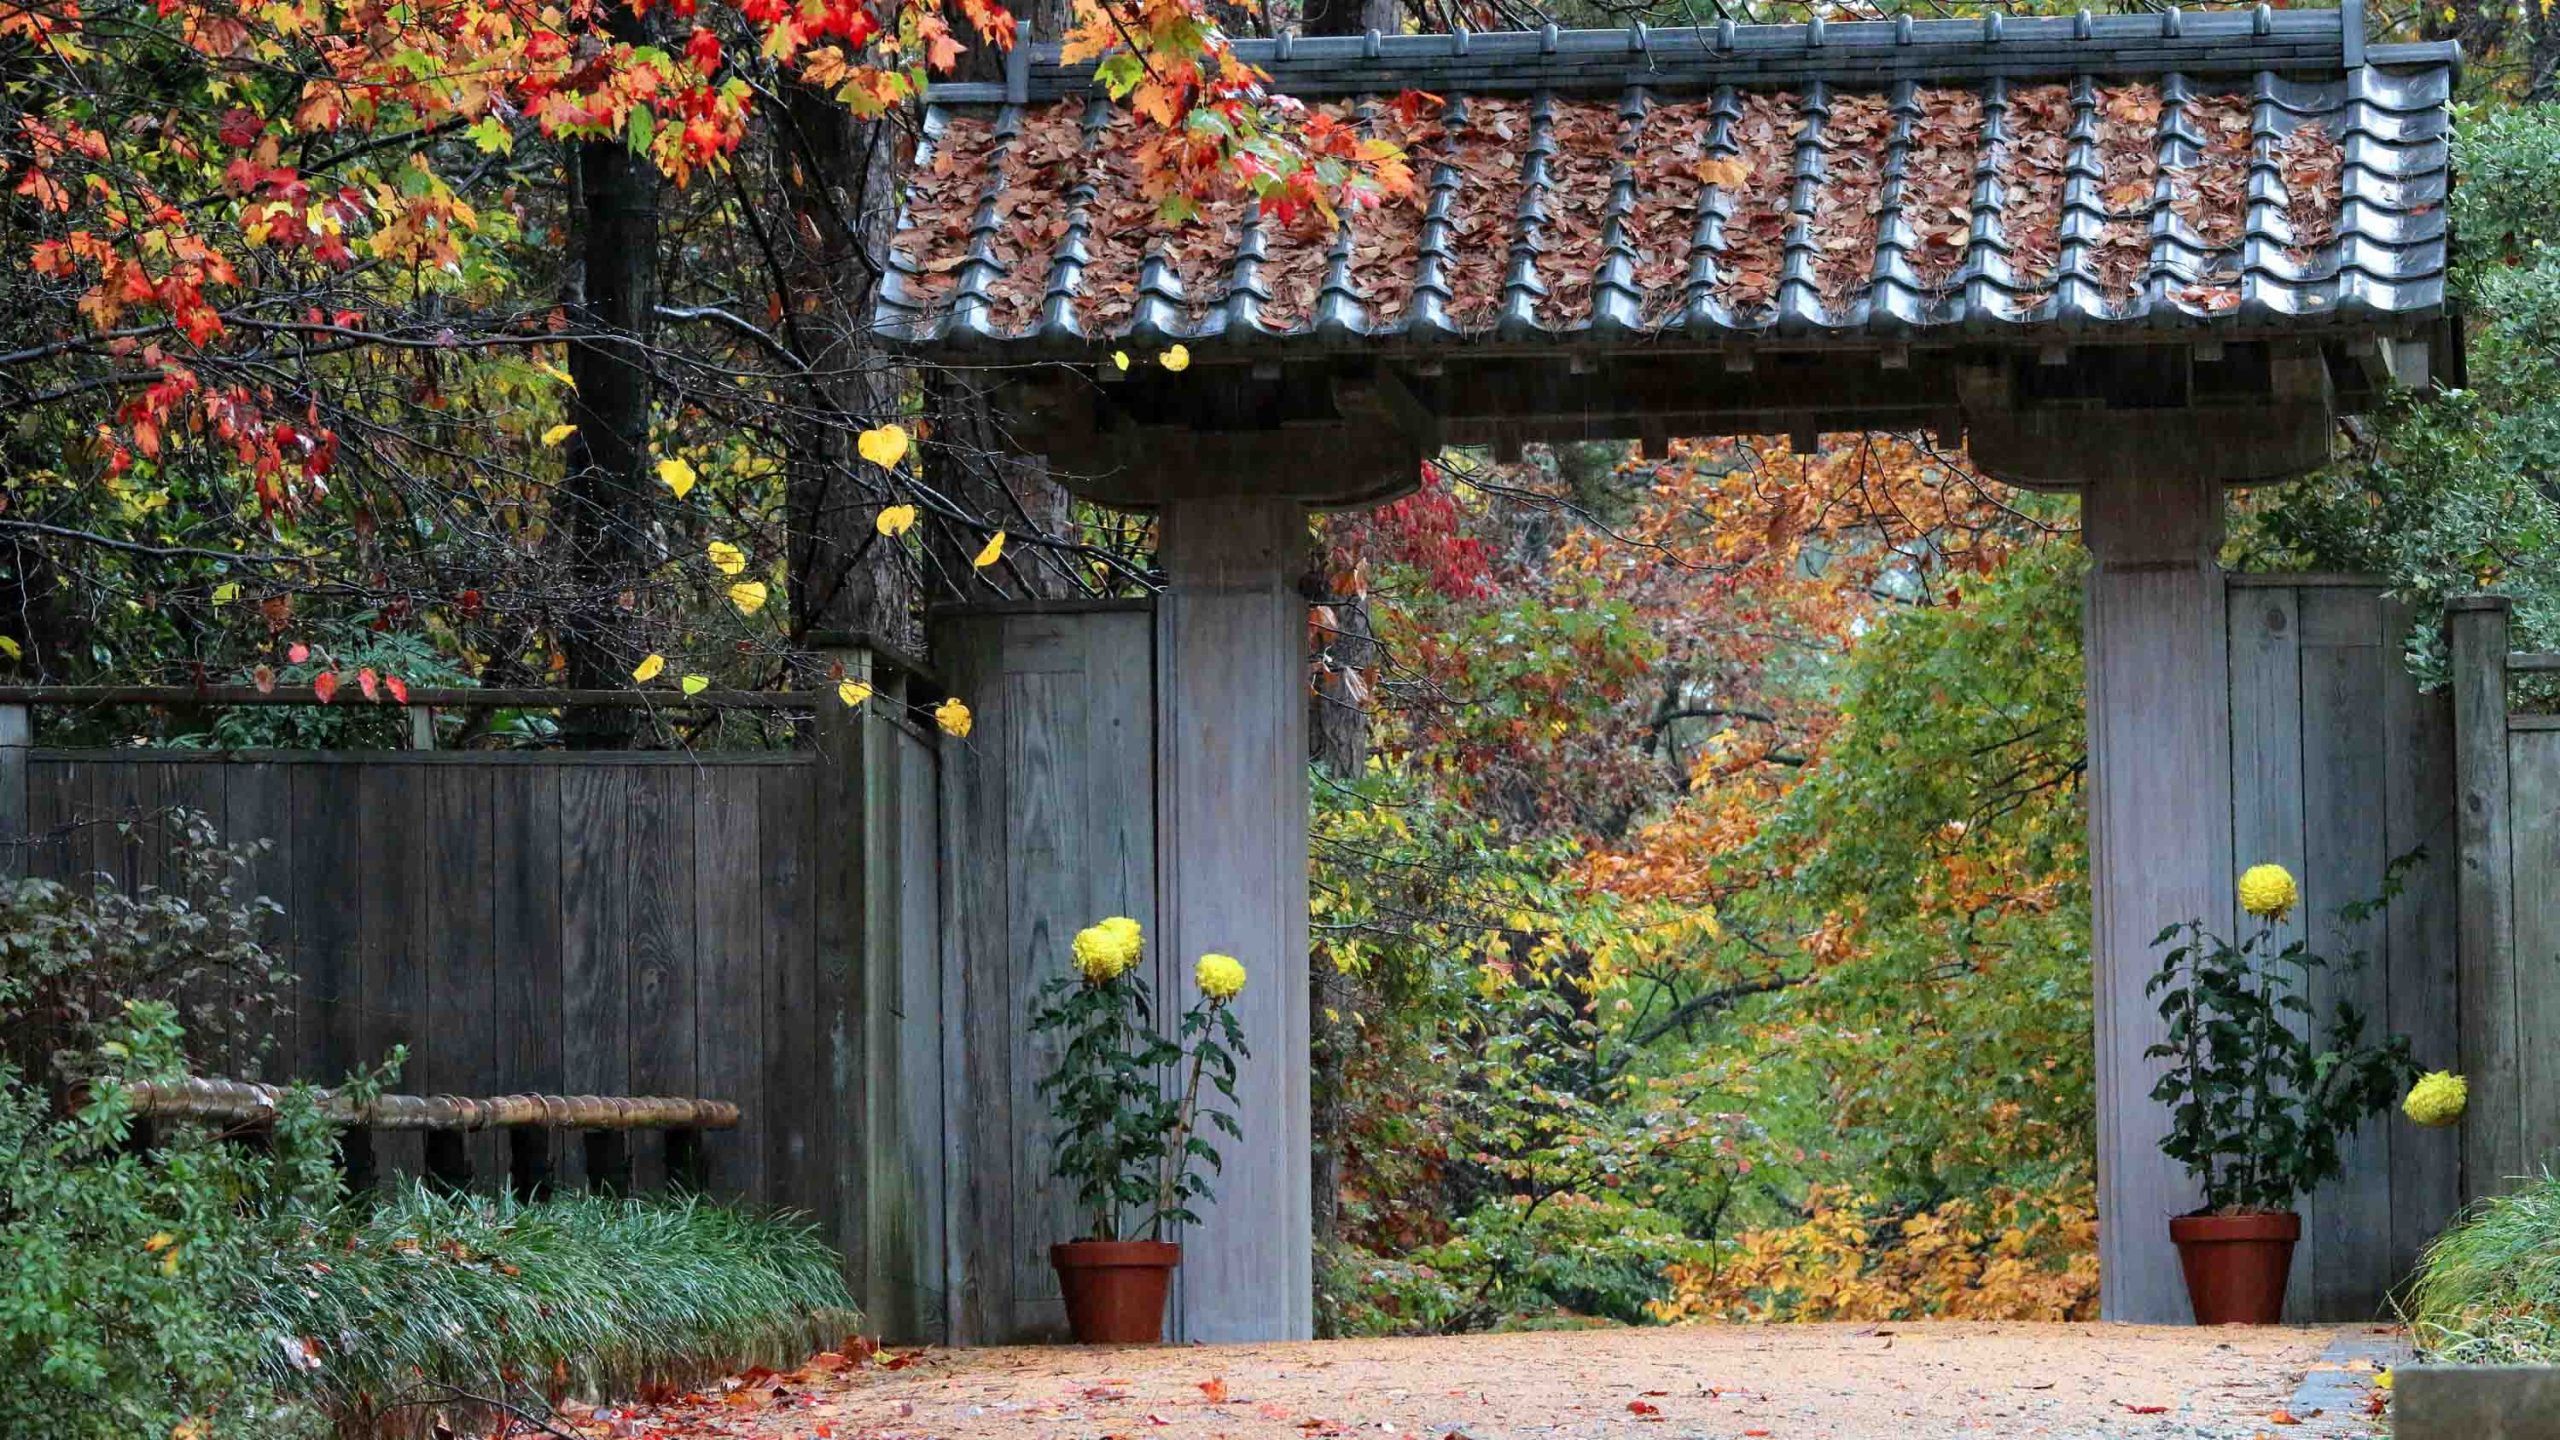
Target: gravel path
<point>1788,1382</point>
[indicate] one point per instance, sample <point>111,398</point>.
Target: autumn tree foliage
<point>498,342</point>
<point>1766,909</point>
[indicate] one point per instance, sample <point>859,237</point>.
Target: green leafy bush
<point>2488,1289</point>
<point>71,958</point>
<point>202,1289</point>
<point>120,1313</point>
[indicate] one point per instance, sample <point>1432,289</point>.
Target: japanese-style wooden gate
<point>2142,257</point>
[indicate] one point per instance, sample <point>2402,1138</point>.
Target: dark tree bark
<point>836,172</point>
<point>1350,17</point>
<point>1338,744</point>
<point>611,302</point>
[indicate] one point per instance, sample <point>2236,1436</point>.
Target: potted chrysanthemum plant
<point>2258,1094</point>
<point>1127,1099</point>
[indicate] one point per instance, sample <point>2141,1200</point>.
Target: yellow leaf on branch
<point>649,669</point>
<point>678,475</point>
<point>748,596</point>
<point>853,692</point>
<point>896,520</point>
<point>558,433</point>
<point>695,684</point>
<point>884,446</point>
<point>728,559</point>
<point>993,552</point>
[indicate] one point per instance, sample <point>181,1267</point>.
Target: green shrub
<point>121,1270</point>
<point>206,1290</point>
<point>71,957</point>
<point>1514,1264</point>
<point>2488,1289</point>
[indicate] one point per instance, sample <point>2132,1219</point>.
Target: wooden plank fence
<point>2509,794</point>
<point>2341,767</point>
<point>519,922</point>
<point>761,928</point>
<point>1049,819</point>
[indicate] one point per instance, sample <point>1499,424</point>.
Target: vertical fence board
<point>922,1107</point>
<point>2493,1150</point>
<point>2344,860</point>
<point>2534,767</point>
<point>2267,784</point>
<point>977,989</point>
<point>525,897</point>
<point>798,1131</point>
<point>2426,1165</point>
<point>52,786</point>
<point>729,974</point>
<point>595,975</point>
<point>389,827</point>
<point>257,809</point>
<point>660,851</point>
<point>326,914</point>
<point>17,737</point>
<point>457,1048</point>
<point>1045,716</point>
<point>122,802</point>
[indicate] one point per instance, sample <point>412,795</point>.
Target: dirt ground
<point>1841,1382</point>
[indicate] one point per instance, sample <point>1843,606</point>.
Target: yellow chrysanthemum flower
<point>1220,977</point>
<point>2268,892</point>
<point>1107,951</point>
<point>2437,1099</point>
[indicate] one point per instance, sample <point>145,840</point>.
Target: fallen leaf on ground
<point>1215,1388</point>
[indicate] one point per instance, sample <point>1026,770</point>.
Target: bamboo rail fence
<point>243,1102</point>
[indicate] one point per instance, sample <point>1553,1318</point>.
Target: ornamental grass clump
<point>1126,1143</point>
<point>2488,1288</point>
<point>387,1314</point>
<point>2258,1096</point>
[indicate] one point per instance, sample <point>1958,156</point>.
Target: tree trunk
<point>603,512</point>
<point>837,174</point>
<point>1338,744</point>
<point>1350,17</point>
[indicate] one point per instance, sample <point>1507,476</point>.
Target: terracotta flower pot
<point>2236,1265</point>
<point>1115,1289</point>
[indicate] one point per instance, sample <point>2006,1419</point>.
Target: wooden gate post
<point>17,734</point>
<point>2159,838</point>
<point>2494,1150</point>
<point>1231,846</point>
<point>847,886</point>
